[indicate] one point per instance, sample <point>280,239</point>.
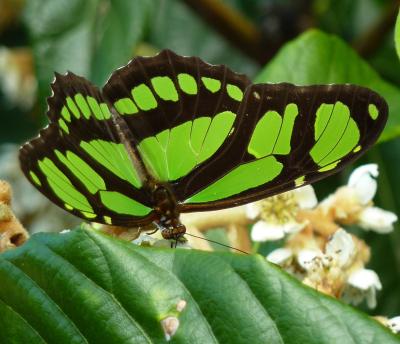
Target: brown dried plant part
<point>12,233</point>
<point>123,233</point>
<point>233,220</point>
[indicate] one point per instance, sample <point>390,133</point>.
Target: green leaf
<point>85,287</point>
<point>318,58</point>
<point>397,35</point>
<point>89,38</point>
<point>197,39</point>
<point>385,257</point>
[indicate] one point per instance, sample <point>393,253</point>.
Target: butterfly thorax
<point>165,206</point>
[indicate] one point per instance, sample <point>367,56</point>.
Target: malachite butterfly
<point>172,134</point>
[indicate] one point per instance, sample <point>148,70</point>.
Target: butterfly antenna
<point>216,242</point>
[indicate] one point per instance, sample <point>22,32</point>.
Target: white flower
<point>362,284</point>
<point>339,252</point>
<point>363,182</point>
<point>305,197</point>
<point>252,210</point>
<point>377,219</point>
<point>280,256</point>
<point>341,248</point>
<point>264,231</point>
<point>277,214</point>
<point>394,324</point>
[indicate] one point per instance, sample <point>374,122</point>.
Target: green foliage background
<point>92,38</point>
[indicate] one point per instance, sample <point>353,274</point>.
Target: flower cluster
<point>317,250</point>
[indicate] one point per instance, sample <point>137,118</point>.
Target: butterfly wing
<point>180,109</point>
<point>79,161</point>
<point>288,136</point>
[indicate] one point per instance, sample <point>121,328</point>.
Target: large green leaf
<point>318,58</point>
<point>90,38</point>
<point>85,287</point>
<point>397,35</point>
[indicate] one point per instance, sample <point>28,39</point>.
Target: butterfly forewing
<point>180,109</point>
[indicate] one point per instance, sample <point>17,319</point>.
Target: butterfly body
<point>166,207</point>
<point>171,134</point>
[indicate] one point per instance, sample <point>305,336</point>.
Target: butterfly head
<point>174,229</point>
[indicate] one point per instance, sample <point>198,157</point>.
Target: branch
<point>368,43</point>
<point>234,27</point>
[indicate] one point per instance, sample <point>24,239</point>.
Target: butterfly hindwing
<point>79,162</point>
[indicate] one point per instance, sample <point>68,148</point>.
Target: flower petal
<point>280,256</point>
<point>293,227</point>
<point>305,197</point>
<point>394,324</point>
<point>364,279</point>
<point>377,220</point>
<point>362,180</point>
<point>252,210</point>
<point>263,231</point>
<point>363,283</point>
<point>341,246</point>
<point>306,258</point>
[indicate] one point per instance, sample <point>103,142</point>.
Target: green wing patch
<point>336,134</point>
<point>273,133</point>
<point>244,177</point>
<point>114,158</point>
<point>174,152</point>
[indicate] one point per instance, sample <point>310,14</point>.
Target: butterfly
<point>171,134</point>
